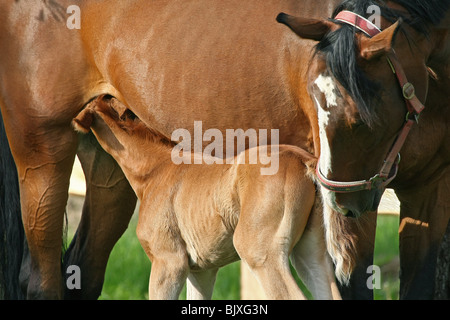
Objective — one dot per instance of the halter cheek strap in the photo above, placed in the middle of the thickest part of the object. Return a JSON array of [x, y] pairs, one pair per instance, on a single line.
[[388, 172]]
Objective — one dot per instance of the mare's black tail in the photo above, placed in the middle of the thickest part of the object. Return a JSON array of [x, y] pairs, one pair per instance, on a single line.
[[11, 227]]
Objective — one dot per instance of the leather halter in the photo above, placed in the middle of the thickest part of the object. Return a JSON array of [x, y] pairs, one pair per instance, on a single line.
[[414, 107]]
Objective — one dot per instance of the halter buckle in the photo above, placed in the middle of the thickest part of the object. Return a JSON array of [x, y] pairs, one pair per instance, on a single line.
[[409, 91], [415, 115], [376, 181]]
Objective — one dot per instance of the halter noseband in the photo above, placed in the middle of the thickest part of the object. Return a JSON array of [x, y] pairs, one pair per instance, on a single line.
[[414, 106]]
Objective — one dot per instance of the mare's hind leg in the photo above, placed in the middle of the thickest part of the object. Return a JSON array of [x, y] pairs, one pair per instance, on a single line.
[[200, 284], [311, 260], [108, 207], [44, 153]]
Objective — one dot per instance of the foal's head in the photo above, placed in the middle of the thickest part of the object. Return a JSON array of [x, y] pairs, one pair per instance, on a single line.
[[116, 127], [111, 122], [136, 148], [360, 104]]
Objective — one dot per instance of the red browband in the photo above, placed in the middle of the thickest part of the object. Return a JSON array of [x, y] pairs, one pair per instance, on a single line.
[[358, 22]]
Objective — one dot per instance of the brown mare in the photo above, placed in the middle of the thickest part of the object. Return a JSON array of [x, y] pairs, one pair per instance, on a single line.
[[196, 218], [354, 79], [225, 63]]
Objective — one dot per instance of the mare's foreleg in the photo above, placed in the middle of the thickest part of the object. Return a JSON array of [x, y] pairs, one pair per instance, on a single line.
[[424, 217], [44, 153], [107, 210]]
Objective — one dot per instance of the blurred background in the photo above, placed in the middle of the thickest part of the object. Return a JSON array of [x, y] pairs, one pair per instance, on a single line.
[[128, 269]]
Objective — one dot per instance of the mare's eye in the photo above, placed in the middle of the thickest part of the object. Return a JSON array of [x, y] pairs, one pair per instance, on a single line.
[[358, 124]]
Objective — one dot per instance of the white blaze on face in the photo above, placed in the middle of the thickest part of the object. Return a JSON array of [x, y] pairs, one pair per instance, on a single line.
[[325, 154], [327, 87]]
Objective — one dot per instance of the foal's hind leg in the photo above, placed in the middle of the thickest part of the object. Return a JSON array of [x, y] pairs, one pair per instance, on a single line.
[[311, 260], [271, 222], [200, 285], [108, 207], [276, 278], [263, 238]]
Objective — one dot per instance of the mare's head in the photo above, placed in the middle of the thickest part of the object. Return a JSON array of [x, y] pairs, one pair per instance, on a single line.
[[360, 103]]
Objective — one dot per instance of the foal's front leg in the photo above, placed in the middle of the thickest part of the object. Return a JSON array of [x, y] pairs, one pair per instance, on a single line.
[[159, 236], [167, 279]]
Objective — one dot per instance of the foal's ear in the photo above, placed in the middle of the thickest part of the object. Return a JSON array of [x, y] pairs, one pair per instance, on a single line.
[[382, 43], [307, 28], [83, 122], [120, 108]]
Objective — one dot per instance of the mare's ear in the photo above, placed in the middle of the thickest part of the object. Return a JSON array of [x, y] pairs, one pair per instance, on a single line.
[[307, 28], [83, 122], [382, 43]]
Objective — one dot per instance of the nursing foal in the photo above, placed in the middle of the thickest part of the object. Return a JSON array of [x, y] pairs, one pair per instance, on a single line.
[[195, 219]]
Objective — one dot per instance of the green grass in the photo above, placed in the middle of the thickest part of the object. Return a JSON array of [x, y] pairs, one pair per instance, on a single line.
[[386, 257], [128, 270]]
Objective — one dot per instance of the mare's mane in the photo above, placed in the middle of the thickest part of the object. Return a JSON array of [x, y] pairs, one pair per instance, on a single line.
[[340, 47]]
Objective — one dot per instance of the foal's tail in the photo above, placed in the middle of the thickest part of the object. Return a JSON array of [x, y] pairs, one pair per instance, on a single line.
[[11, 227]]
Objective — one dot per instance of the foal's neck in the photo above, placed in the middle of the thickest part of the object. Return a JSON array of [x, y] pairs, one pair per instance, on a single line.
[[144, 157]]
